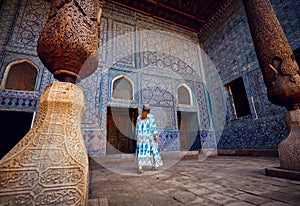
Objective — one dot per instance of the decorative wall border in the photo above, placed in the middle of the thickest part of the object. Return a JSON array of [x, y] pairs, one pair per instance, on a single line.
[[12, 100]]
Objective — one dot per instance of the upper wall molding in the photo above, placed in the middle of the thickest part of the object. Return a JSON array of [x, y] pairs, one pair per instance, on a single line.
[[220, 13]]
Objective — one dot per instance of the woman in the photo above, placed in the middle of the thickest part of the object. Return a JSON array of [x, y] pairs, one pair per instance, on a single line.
[[147, 141]]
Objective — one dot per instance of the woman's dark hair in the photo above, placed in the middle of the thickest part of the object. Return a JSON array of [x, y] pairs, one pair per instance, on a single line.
[[145, 113], [146, 110]]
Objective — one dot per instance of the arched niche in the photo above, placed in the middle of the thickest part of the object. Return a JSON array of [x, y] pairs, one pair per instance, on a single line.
[[184, 94], [122, 88], [20, 75]]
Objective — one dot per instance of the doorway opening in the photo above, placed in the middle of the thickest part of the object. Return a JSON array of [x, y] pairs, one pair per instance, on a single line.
[[14, 126], [188, 128], [120, 130]]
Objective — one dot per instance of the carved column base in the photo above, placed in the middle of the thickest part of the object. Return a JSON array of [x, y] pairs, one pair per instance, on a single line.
[[49, 166], [289, 149]]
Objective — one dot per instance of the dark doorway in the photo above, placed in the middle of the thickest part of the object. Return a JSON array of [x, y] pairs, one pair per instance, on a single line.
[[120, 130], [188, 131], [14, 126]]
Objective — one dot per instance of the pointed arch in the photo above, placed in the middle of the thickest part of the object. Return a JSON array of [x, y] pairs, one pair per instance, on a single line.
[[122, 88], [184, 94], [20, 75]]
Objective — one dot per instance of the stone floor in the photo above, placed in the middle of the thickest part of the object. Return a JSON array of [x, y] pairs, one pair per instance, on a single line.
[[216, 180]]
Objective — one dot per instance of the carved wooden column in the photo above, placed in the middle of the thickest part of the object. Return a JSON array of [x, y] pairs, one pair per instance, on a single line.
[[49, 166], [280, 72], [276, 59]]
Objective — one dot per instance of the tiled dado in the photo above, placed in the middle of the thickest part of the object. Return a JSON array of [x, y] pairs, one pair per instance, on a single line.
[[18, 100], [95, 141], [266, 132], [169, 140]]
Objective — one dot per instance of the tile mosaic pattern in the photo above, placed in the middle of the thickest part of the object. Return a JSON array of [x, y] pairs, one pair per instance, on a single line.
[[201, 103], [288, 13], [123, 52], [157, 91], [13, 100], [103, 40], [8, 13], [90, 119], [169, 140], [95, 140], [29, 24], [208, 140]]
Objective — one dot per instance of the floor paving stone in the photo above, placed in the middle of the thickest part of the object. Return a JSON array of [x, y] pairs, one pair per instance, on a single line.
[[275, 204], [253, 199], [239, 204], [217, 180], [220, 198]]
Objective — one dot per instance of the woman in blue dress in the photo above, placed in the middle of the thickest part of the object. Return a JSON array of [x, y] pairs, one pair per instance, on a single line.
[[148, 153]]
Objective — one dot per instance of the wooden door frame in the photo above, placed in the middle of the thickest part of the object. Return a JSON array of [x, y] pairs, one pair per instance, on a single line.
[[133, 113]]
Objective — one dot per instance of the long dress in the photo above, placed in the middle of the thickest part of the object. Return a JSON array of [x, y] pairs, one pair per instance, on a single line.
[[148, 152]]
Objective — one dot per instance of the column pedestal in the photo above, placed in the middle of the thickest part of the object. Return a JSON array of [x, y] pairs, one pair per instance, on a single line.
[[289, 150], [49, 166]]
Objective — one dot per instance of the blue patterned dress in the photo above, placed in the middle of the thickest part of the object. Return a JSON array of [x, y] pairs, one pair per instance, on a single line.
[[148, 153]]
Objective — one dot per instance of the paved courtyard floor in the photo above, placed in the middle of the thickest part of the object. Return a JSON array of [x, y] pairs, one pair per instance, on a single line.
[[216, 180]]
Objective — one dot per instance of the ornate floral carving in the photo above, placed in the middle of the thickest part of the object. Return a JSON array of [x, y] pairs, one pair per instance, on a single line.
[[18, 179], [70, 39], [67, 196], [61, 176]]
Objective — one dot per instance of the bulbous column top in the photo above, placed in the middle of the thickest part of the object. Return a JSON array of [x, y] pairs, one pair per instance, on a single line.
[[68, 43]]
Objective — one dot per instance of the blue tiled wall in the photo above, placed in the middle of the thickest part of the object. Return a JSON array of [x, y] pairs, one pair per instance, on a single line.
[[156, 60], [21, 23], [155, 56], [230, 47]]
